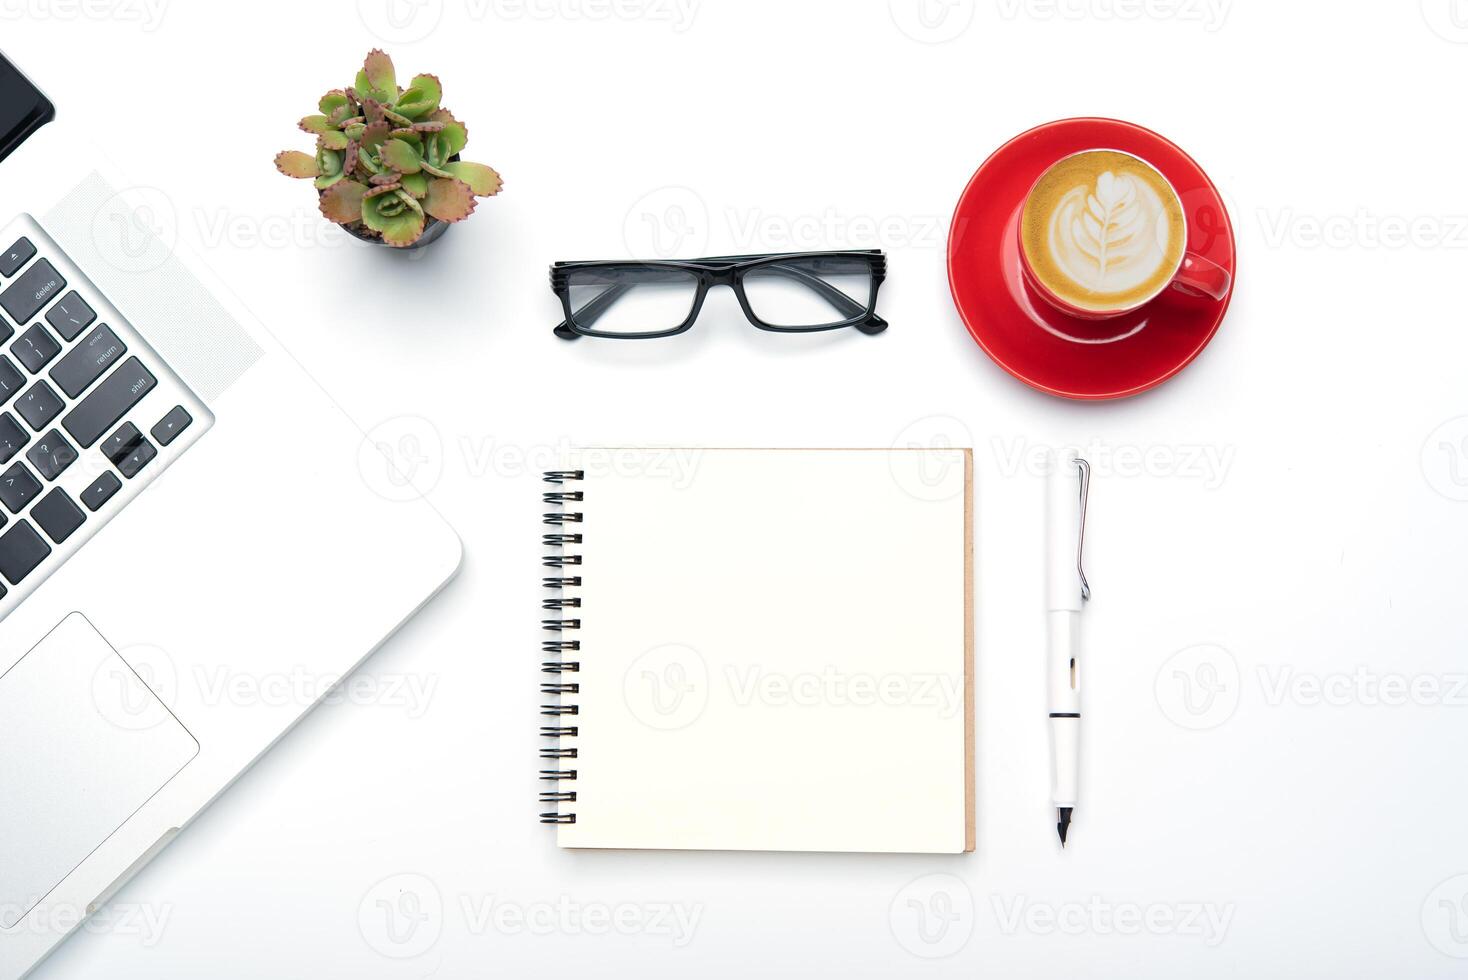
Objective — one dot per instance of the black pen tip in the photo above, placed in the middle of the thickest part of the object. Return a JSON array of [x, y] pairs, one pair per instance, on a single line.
[[1062, 827]]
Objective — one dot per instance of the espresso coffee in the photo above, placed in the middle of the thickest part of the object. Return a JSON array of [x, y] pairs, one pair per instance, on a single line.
[[1103, 231]]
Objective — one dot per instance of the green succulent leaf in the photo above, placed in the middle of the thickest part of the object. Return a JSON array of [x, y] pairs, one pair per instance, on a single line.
[[393, 116], [379, 75], [416, 184], [329, 163], [401, 156], [342, 202], [333, 140], [354, 131], [441, 147], [453, 137], [387, 214], [333, 100], [373, 137], [482, 180], [421, 97], [294, 163], [410, 137], [315, 124], [449, 200]]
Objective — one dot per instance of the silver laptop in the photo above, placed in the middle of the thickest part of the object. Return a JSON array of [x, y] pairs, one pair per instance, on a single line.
[[184, 515]]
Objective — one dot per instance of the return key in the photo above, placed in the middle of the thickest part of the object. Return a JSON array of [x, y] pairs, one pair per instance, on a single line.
[[86, 362]]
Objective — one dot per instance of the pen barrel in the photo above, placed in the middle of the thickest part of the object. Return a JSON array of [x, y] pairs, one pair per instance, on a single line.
[[1065, 741], [1063, 662], [1064, 700]]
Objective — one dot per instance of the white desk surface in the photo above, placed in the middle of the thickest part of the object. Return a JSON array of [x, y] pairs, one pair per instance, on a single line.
[[1282, 526]]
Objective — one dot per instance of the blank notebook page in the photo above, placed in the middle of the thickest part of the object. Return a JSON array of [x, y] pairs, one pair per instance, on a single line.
[[775, 651]]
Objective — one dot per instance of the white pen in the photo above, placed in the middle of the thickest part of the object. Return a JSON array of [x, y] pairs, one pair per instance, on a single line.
[[1067, 486]]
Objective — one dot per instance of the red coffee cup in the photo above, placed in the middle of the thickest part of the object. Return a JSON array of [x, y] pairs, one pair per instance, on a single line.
[[1109, 234]]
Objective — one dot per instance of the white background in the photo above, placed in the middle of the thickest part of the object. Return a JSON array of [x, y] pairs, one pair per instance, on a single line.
[[1289, 513]]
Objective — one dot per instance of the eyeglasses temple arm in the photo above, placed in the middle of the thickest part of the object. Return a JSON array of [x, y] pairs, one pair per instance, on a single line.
[[844, 304]]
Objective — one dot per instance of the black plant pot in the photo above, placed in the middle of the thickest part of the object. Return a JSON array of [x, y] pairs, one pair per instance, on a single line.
[[432, 232]]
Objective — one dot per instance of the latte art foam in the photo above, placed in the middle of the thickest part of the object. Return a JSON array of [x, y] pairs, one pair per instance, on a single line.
[[1103, 230]]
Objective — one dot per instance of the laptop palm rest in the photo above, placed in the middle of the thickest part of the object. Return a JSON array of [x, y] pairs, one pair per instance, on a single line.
[[84, 743]]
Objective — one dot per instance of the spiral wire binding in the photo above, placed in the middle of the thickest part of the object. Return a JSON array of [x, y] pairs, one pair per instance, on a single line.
[[558, 645]]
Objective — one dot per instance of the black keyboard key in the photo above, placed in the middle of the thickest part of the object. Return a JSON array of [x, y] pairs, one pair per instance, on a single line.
[[39, 405], [12, 437], [11, 380], [36, 287], [71, 316], [134, 461], [100, 492], [51, 455], [16, 256], [171, 425], [21, 550], [109, 401], [35, 348], [87, 361], [18, 488], [120, 443], [58, 515]]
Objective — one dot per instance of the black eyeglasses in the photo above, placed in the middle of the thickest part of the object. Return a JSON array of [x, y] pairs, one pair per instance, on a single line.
[[797, 292]]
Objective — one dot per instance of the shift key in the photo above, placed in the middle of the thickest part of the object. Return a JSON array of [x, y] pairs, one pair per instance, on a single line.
[[109, 402], [85, 362]]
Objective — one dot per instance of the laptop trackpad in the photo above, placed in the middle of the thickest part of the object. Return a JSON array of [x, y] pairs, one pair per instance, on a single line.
[[84, 743]]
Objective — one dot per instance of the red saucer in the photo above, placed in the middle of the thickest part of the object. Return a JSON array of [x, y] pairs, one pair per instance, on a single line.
[[1044, 348]]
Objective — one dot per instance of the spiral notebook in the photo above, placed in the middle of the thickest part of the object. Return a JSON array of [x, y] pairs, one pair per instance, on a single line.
[[759, 650]]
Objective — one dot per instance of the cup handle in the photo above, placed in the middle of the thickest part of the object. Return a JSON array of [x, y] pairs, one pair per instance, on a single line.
[[1203, 277]]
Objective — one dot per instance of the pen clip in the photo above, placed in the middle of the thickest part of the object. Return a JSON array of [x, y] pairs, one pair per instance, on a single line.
[[1085, 469]]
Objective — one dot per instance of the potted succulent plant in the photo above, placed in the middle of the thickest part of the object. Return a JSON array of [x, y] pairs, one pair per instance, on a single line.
[[387, 164]]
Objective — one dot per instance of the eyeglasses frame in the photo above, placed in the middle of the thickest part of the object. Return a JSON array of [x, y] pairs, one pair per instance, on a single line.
[[723, 270]]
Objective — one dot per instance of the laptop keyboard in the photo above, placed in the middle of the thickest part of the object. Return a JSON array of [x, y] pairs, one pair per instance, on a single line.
[[89, 413]]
